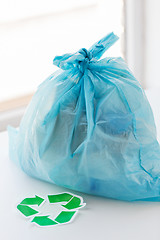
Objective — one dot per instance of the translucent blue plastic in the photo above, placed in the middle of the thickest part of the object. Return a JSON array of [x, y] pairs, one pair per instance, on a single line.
[[89, 127]]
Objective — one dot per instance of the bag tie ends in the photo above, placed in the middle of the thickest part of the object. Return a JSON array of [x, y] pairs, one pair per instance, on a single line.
[[84, 57]]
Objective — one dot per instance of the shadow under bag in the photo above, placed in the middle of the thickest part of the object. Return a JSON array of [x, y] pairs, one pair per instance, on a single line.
[[89, 127]]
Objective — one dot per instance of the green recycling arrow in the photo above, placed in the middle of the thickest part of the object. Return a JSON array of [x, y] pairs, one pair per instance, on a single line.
[[72, 202], [65, 217], [32, 201], [62, 197], [44, 221], [25, 210]]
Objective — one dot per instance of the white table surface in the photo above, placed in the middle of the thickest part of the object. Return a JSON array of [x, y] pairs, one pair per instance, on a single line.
[[102, 218]]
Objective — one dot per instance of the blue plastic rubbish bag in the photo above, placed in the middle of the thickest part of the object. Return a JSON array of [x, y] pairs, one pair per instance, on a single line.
[[89, 127]]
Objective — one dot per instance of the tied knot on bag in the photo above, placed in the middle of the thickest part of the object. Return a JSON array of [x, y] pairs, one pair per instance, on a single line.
[[84, 63], [83, 59], [80, 60]]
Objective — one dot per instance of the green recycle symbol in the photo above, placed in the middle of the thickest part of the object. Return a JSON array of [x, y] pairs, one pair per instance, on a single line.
[[68, 201]]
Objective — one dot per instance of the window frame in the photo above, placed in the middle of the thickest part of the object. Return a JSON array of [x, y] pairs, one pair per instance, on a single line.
[[135, 39]]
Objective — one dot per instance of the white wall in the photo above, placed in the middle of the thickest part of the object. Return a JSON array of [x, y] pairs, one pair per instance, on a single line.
[[152, 45]]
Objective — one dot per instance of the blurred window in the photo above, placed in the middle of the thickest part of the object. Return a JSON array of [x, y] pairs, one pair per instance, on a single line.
[[32, 32]]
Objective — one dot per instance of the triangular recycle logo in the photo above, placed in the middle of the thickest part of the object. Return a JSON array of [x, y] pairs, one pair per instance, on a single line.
[[71, 203]]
